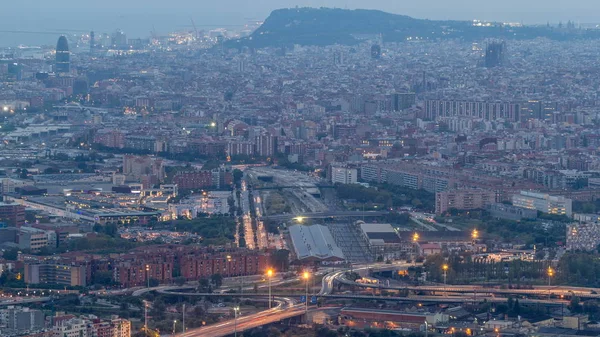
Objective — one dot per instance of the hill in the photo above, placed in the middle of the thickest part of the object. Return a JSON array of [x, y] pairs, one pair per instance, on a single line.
[[327, 26]]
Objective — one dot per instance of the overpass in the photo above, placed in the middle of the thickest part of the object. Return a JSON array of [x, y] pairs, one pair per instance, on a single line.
[[25, 301], [258, 188], [324, 215], [564, 291]]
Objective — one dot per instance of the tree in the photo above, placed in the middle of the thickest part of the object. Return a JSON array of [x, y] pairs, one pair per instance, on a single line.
[[103, 278], [516, 308], [11, 254], [204, 286], [216, 280], [237, 176], [154, 282], [111, 229], [281, 259], [180, 280]]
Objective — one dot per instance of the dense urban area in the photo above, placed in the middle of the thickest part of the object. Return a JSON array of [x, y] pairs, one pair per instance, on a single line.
[[186, 185]]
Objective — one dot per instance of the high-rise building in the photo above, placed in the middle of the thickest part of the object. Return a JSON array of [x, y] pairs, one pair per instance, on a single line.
[[12, 214], [92, 42], [266, 145], [463, 199], [495, 54], [404, 100], [118, 39], [338, 58], [56, 273], [375, 51], [343, 175], [19, 320], [63, 56]]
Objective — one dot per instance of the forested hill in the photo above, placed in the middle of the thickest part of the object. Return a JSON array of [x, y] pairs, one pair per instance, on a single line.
[[327, 26]]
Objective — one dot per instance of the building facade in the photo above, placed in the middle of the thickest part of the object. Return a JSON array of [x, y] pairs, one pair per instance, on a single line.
[[463, 199], [543, 202]]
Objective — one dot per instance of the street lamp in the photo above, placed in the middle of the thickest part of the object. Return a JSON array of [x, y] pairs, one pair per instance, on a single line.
[[269, 275], [174, 322], [445, 268], [145, 317], [550, 274], [148, 275], [236, 310], [415, 240], [306, 276], [474, 235]]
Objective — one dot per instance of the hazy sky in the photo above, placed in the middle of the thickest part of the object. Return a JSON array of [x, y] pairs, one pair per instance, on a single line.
[[526, 10], [137, 17]]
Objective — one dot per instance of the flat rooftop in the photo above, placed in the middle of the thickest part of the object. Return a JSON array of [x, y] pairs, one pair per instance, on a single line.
[[314, 242]]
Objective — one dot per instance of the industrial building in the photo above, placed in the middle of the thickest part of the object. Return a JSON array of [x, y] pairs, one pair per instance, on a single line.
[[383, 240], [314, 243]]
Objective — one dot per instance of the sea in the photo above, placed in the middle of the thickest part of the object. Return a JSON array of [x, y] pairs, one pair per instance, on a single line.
[[44, 31]]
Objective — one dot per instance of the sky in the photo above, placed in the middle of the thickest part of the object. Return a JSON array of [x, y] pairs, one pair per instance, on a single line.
[[138, 17]]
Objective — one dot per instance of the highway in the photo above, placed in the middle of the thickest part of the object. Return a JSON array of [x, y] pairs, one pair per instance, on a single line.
[[246, 218], [287, 308], [327, 214], [246, 322], [565, 291], [23, 300]]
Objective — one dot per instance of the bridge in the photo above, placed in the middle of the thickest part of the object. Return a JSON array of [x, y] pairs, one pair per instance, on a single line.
[[325, 215], [290, 298], [258, 188]]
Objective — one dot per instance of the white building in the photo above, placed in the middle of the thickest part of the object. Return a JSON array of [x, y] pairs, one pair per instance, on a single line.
[[343, 175], [543, 202], [72, 328]]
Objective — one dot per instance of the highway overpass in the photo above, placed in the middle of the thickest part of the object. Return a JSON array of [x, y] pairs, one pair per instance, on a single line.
[[324, 215]]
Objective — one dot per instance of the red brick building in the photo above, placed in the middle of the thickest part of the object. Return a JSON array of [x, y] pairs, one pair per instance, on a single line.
[[194, 266], [12, 214], [193, 263], [192, 180]]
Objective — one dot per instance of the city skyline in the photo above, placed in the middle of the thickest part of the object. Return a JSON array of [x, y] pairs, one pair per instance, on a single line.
[[67, 16]]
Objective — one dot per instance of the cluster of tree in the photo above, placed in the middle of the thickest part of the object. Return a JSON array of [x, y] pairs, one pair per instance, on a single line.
[[528, 232], [586, 206], [387, 195], [579, 269], [464, 269], [109, 229], [11, 279], [280, 259], [283, 161], [237, 177], [212, 229], [187, 156]]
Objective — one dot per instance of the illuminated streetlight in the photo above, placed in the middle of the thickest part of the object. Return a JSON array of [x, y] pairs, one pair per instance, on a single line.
[[306, 276], [475, 234], [445, 268], [269, 275], [236, 310], [550, 274], [174, 322], [148, 275], [415, 252]]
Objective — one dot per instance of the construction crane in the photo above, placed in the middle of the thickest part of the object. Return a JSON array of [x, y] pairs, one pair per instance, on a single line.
[[195, 29]]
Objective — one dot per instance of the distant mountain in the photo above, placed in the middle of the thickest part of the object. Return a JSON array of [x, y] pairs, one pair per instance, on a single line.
[[327, 26]]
